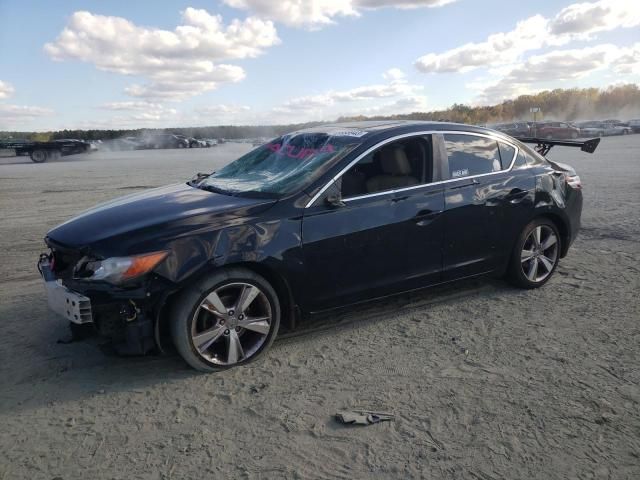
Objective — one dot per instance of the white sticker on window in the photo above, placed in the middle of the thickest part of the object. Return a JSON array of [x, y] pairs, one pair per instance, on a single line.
[[460, 173], [349, 133]]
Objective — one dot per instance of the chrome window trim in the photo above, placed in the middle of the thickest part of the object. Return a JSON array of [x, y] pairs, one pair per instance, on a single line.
[[336, 177]]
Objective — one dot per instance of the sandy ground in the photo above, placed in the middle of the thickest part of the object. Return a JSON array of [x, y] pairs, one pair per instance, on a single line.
[[486, 381]]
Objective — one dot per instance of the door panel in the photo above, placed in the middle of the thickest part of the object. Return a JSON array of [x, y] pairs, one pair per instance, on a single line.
[[351, 249], [467, 243], [421, 211], [483, 212]]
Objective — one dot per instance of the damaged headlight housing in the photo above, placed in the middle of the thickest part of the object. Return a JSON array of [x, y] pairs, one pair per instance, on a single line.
[[118, 270]]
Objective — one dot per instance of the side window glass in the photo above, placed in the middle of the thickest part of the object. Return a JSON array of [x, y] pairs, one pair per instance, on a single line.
[[532, 158], [506, 154], [471, 155], [396, 165], [521, 161]]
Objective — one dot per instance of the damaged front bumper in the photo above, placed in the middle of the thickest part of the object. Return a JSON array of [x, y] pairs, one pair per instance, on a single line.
[[127, 316]]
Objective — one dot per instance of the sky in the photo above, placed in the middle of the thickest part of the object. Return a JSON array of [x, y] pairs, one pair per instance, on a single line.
[[136, 64]]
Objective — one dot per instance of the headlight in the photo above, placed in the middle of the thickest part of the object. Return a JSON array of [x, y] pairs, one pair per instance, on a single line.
[[120, 269]]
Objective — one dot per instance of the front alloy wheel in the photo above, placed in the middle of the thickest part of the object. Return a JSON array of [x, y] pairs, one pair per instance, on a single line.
[[226, 319], [231, 323], [536, 255]]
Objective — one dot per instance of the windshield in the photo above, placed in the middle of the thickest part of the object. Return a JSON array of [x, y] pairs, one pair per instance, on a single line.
[[281, 166]]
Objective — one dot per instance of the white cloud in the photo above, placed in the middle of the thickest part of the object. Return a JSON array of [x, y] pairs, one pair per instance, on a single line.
[[318, 13], [417, 103], [499, 48], [588, 18], [394, 75], [627, 61], [579, 20], [395, 97], [6, 90], [177, 64], [20, 116], [557, 66], [17, 116], [222, 109], [134, 106], [368, 92]]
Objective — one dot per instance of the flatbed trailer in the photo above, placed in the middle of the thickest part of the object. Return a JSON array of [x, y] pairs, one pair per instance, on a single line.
[[40, 152]]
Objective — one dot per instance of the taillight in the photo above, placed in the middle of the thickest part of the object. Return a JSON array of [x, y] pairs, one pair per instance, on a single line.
[[573, 181]]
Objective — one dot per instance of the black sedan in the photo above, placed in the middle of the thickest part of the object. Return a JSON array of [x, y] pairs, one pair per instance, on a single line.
[[310, 221]]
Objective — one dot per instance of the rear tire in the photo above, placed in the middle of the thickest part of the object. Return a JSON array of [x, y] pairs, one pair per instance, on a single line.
[[228, 318], [535, 255], [39, 156]]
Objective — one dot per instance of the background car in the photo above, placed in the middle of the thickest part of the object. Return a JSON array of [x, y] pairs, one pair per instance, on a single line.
[[604, 128], [634, 125], [163, 140], [557, 130], [516, 129]]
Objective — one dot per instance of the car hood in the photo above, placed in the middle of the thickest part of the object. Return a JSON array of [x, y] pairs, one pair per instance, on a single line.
[[176, 208]]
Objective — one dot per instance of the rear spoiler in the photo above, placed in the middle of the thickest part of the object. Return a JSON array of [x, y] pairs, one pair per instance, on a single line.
[[543, 145]]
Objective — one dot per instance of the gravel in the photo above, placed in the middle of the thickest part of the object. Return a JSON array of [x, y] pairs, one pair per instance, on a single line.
[[485, 381]]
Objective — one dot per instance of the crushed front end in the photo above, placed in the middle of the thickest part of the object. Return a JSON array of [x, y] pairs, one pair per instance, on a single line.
[[126, 313]]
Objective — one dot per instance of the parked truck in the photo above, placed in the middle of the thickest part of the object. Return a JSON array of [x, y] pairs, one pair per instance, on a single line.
[[40, 152]]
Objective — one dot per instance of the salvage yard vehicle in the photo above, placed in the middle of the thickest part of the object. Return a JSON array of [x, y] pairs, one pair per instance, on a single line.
[[551, 130], [40, 152], [317, 219], [163, 140], [514, 129], [604, 128]]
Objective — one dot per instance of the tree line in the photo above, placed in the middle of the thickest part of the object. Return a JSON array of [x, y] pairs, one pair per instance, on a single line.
[[620, 101]]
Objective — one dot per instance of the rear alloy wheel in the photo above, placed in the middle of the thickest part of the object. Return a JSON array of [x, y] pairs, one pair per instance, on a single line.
[[536, 254], [228, 319]]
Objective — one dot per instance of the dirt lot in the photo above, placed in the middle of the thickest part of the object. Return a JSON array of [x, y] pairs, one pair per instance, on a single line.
[[486, 381]]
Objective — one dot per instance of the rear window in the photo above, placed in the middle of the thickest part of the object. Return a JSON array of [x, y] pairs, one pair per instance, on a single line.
[[471, 155]]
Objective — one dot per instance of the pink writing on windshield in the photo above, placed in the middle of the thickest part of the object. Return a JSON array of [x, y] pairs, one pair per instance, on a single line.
[[298, 152]]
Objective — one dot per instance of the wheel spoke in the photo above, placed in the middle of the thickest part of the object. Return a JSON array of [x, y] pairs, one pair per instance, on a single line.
[[533, 270], [536, 236], [248, 295], [549, 242], [214, 305], [258, 324], [235, 352], [547, 262], [526, 255], [203, 340]]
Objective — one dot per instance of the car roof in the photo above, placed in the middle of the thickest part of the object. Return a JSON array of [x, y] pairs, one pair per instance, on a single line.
[[365, 129]]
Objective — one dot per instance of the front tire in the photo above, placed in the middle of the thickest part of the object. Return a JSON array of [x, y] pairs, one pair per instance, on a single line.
[[535, 255], [226, 319]]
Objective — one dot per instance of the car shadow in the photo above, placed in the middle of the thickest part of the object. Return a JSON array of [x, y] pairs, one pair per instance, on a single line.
[[71, 372]]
